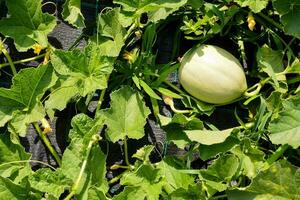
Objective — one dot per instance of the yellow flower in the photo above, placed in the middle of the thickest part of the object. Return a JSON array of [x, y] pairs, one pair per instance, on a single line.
[[251, 22], [37, 48], [129, 56]]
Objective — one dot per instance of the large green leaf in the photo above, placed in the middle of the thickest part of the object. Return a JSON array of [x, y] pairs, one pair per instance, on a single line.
[[255, 5], [72, 13], [21, 103], [281, 181], [80, 73], [27, 24], [289, 11], [286, 128], [156, 9], [84, 128], [127, 115]]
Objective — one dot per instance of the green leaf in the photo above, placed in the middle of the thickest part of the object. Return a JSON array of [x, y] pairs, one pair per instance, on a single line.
[[10, 155], [176, 126], [209, 151], [222, 169], [294, 67], [175, 178], [111, 33], [131, 193], [72, 13], [270, 61], [27, 24], [156, 10], [286, 128], [95, 193], [149, 90], [48, 181], [126, 116], [254, 5], [251, 158], [281, 181], [289, 11], [84, 128], [80, 73], [192, 193], [21, 102], [143, 153], [196, 4], [208, 137], [169, 93], [12, 191], [147, 178]]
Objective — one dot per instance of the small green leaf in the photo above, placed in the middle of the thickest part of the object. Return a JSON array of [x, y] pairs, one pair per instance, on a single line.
[[169, 93], [27, 24], [72, 13], [127, 115], [149, 90]]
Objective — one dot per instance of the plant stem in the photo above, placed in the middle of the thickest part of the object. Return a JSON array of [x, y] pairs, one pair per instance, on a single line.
[[28, 161], [271, 21], [174, 87], [12, 66], [126, 151], [47, 143], [101, 99], [277, 154], [75, 186], [23, 60], [115, 179]]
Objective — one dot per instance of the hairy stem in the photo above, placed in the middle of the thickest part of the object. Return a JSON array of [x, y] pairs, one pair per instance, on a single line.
[[47, 143], [75, 186], [23, 60], [277, 154], [126, 151], [12, 66]]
